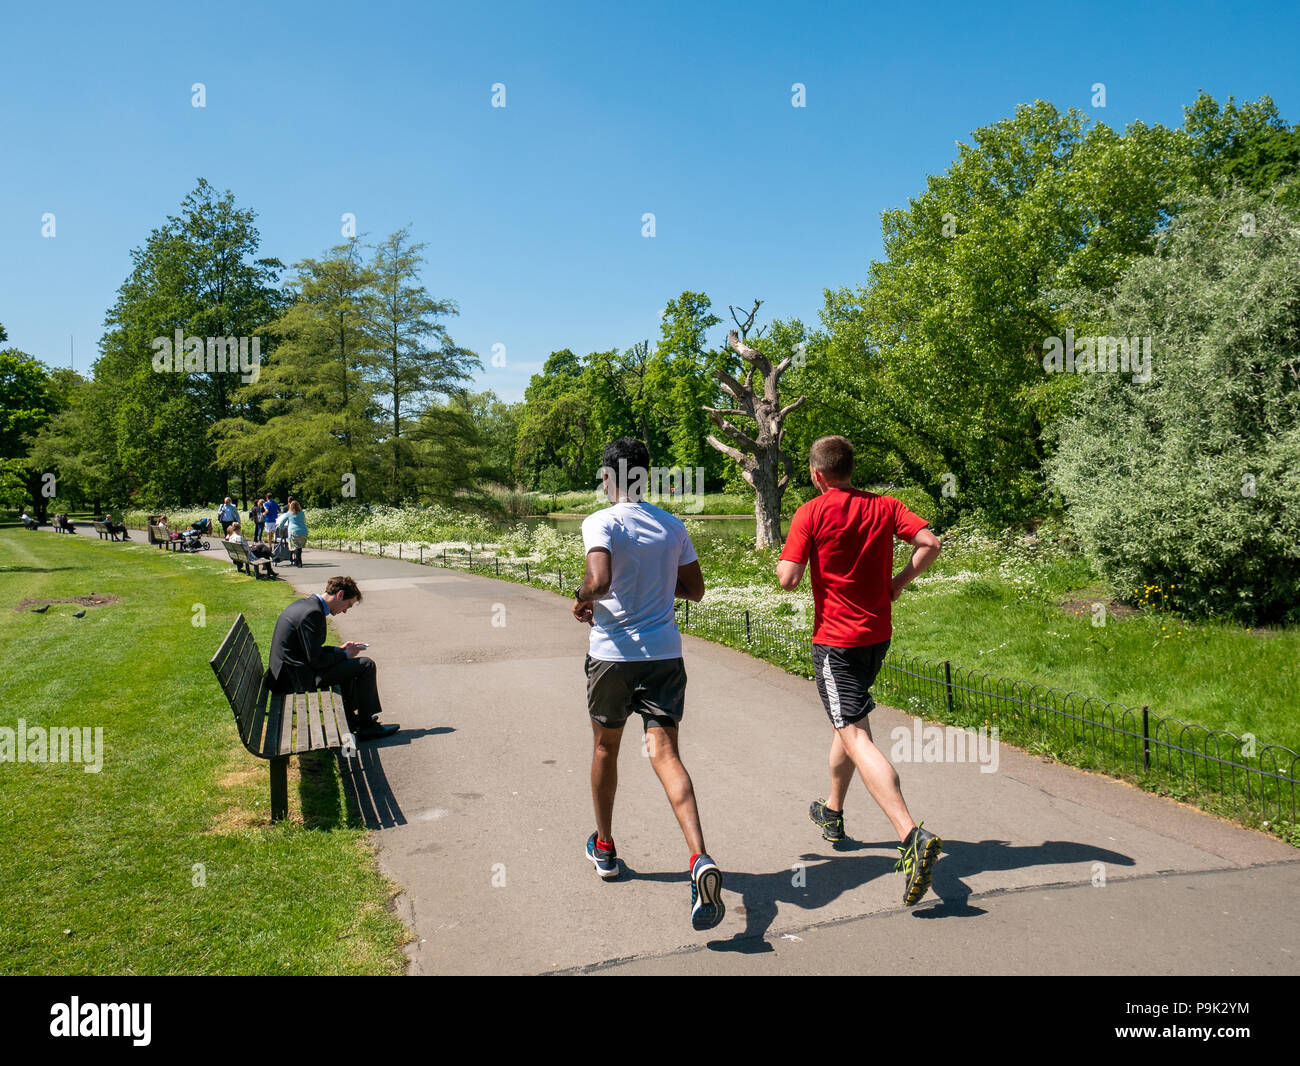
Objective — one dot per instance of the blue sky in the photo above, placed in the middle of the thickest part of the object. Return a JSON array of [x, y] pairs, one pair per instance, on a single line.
[[532, 213]]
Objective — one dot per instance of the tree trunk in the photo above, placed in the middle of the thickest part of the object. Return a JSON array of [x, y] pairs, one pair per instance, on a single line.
[[762, 461], [768, 491]]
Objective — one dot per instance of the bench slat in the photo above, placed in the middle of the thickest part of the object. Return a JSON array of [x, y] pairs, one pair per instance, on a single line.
[[286, 723], [270, 747], [247, 680], [332, 737], [317, 701]]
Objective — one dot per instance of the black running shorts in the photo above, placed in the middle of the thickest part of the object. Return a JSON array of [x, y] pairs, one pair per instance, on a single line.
[[844, 679], [653, 688]]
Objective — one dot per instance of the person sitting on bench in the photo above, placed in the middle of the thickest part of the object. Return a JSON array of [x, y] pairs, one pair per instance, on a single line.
[[255, 551], [115, 528]]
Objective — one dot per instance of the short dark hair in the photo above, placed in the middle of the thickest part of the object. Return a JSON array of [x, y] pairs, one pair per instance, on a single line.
[[833, 456], [344, 585], [623, 456]]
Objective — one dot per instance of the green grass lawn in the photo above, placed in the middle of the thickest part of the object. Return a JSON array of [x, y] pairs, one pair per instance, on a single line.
[[163, 862]]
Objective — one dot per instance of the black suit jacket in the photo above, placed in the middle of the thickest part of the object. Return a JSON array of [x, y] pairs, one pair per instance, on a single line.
[[298, 650]]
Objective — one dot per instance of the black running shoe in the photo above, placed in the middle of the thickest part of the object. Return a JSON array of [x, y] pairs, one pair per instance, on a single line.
[[831, 824], [606, 862], [917, 856], [707, 907]]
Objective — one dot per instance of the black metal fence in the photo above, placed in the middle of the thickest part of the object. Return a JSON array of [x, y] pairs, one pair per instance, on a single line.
[[1185, 759]]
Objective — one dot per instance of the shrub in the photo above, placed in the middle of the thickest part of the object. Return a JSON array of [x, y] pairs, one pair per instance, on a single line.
[[1191, 481]]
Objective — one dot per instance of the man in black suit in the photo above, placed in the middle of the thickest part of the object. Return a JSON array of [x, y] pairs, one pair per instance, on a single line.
[[301, 661]]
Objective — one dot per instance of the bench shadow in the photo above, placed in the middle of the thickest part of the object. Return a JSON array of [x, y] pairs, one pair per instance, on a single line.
[[824, 878], [34, 569]]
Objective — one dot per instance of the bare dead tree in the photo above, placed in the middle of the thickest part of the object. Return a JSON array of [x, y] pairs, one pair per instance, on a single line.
[[763, 462]]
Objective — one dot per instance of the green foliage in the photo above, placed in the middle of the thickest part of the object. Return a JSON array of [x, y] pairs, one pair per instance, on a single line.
[[1192, 481], [197, 273], [938, 356], [918, 501]]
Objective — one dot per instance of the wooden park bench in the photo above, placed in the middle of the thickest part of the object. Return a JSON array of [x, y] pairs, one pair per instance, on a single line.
[[102, 528], [272, 725], [240, 557], [30, 523], [163, 541]]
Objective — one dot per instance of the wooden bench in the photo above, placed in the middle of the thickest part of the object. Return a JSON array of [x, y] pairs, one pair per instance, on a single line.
[[62, 525], [102, 528], [272, 725], [164, 542], [240, 557], [30, 523]]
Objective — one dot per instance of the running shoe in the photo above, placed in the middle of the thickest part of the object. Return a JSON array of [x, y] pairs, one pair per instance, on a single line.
[[916, 858], [831, 824], [606, 861], [707, 907]]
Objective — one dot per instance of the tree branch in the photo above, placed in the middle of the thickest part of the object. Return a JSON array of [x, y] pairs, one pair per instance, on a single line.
[[727, 449]]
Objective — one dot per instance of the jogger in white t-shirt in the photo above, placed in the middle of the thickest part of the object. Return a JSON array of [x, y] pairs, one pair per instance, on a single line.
[[639, 559]]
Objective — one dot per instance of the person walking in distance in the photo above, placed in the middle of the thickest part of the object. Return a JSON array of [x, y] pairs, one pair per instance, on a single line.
[[639, 558], [847, 537]]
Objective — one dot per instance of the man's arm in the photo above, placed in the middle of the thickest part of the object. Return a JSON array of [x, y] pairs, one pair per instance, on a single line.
[[925, 550], [690, 582], [788, 574], [595, 583]]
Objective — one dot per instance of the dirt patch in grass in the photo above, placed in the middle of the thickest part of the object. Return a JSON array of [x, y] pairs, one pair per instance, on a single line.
[[1080, 604], [250, 805], [95, 599]]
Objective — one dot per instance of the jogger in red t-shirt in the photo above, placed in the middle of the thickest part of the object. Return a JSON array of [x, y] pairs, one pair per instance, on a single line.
[[847, 537]]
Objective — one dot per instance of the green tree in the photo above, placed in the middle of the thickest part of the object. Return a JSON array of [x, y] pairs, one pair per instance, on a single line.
[[946, 338], [315, 401], [1190, 482], [418, 361], [558, 426], [198, 274], [29, 398]]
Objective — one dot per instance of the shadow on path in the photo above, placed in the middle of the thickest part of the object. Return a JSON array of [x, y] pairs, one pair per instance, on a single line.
[[370, 799], [817, 880]]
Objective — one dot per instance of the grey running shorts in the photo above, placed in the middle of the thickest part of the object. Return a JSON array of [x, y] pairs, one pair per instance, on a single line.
[[653, 688]]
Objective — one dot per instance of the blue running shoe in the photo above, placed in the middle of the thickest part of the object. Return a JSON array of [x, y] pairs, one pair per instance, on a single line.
[[707, 908], [606, 862]]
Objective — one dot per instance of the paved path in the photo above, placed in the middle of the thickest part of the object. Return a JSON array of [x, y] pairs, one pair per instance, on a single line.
[[481, 808]]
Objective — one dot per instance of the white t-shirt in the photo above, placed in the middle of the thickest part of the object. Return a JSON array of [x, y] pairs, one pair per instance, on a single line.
[[634, 620]]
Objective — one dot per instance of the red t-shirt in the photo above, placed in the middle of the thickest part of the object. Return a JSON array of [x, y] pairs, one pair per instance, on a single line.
[[847, 538]]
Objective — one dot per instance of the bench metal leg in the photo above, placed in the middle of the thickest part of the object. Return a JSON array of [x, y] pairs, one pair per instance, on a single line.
[[280, 788]]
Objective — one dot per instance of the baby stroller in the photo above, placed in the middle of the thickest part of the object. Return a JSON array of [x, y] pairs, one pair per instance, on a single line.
[[281, 553], [191, 540]]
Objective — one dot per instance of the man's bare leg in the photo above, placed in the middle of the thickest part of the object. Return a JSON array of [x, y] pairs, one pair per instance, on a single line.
[[661, 743], [841, 774], [604, 777], [878, 774]]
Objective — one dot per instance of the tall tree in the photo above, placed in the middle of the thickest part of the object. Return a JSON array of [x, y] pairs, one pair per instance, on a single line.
[[198, 274], [763, 462], [418, 361], [317, 397], [558, 426], [28, 400]]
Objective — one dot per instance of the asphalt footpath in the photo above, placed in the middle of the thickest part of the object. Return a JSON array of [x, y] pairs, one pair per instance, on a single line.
[[481, 807]]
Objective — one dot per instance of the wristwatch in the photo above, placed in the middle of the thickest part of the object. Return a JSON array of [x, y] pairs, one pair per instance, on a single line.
[[576, 592]]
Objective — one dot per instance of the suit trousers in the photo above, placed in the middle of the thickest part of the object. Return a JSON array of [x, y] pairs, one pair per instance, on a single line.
[[359, 680]]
